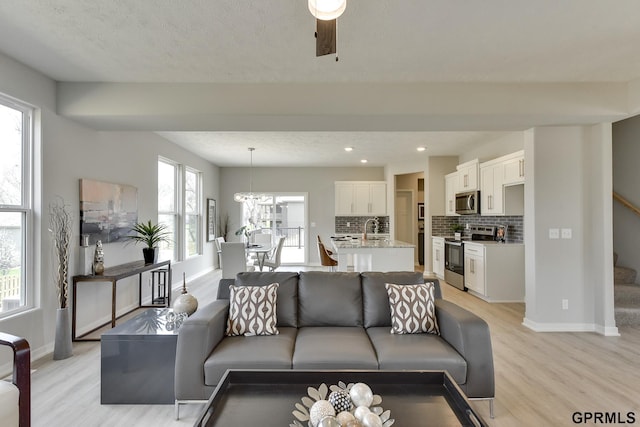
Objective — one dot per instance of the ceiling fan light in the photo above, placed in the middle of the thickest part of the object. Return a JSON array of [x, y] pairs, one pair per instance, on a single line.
[[327, 10]]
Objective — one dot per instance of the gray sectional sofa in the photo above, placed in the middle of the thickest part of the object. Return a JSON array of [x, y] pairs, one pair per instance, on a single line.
[[332, 320]]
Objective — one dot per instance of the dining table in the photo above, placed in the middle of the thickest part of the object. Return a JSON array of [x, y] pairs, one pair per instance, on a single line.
[[261, 252]]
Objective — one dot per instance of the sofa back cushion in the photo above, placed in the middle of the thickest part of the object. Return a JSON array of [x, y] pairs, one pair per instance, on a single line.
[[329, 299], [376, 299], [287, 300]]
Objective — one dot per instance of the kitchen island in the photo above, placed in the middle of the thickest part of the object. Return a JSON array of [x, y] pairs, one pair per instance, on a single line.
[[374, 254]]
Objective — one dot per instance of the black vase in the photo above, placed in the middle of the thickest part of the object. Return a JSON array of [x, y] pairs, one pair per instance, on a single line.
[[150, 255]]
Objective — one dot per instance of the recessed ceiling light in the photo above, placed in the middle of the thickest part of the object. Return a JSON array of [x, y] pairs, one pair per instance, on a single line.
[[348, 148], [421, 148], [363, 161]]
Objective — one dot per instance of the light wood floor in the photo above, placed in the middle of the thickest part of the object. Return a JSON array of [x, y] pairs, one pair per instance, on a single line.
[[541, 378]]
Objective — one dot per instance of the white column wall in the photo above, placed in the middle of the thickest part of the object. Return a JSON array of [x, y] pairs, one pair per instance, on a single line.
[[567, 186]]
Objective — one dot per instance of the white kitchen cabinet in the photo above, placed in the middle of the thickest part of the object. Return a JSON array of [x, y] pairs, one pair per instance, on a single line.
[[360, 198], [474, 268], [491, 189], [451, 188], [468, 176], [514, 168], [437, 252], [494, 271]]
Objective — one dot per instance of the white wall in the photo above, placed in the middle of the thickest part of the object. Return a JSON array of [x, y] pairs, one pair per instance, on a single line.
[[70, 152], [489, 150], [317, 182], [567, 187], [626, 176]]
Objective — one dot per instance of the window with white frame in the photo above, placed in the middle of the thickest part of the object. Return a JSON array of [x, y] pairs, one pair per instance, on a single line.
[[180, 209], [168, 206], [16, 144], [192, 213]]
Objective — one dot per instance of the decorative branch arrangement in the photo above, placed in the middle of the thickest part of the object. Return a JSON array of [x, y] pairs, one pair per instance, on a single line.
[[60, 223]]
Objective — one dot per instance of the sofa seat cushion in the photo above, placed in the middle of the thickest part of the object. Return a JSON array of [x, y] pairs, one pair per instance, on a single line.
[[323, 347], [256, 352], [417, 352]]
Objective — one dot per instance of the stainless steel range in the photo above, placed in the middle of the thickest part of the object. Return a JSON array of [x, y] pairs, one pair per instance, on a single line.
[[454, 253]]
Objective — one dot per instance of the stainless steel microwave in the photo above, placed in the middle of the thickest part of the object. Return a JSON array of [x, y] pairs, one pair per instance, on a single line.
[[468, 203]]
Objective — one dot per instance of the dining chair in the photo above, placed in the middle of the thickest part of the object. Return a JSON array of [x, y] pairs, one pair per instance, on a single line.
[[233, 259], [274, 261], [262, 238], [326, 256], [219, 241]]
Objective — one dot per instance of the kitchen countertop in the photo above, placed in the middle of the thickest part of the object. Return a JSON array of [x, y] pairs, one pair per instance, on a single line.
[[482, 242], [371, 243]]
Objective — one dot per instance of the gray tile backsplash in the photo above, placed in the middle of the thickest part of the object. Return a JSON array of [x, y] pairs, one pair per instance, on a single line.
[[441, 225], [356, 224]]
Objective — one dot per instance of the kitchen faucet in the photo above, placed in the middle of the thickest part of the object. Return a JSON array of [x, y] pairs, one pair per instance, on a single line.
[[376, 224]]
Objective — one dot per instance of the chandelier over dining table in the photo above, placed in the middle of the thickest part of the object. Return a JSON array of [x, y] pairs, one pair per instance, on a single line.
[[250, 196]]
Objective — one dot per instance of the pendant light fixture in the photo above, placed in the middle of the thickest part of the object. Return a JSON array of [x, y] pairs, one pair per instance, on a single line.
[[250, 196], [326, 10], [326, 13]]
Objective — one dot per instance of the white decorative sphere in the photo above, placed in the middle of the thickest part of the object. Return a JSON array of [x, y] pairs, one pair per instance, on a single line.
[[185, 303], [371, 420], [319, 410], [361, 395], [344, 418], [360, 412], [329, 422]]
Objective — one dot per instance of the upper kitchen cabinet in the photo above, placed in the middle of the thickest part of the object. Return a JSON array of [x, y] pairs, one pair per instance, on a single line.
[[501, 189], [491, 189], [451, 188], [514, 168], [468, 176], [361, 198]]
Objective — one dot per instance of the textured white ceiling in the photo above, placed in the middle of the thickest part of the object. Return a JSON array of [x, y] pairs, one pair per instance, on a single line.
[[224, 41], [325, 148]]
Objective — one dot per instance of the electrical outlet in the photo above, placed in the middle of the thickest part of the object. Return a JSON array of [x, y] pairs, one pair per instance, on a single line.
[[348, 224], [554, 233], [566, 233], [565, 304]]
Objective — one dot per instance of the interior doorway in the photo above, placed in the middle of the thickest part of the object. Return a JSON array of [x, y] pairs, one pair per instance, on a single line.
[[404, 219]]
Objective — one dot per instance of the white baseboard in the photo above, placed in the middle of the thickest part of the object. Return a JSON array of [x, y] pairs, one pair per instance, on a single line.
[[569, 327]]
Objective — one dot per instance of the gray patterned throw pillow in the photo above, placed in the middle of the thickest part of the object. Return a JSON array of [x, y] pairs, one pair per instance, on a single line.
[[413, 309], [252, 310]]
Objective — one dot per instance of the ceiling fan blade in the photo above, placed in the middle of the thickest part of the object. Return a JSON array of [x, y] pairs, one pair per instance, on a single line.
[[325, 37]]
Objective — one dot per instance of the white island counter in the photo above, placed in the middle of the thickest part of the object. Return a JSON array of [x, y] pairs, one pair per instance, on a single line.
[[374, 255]]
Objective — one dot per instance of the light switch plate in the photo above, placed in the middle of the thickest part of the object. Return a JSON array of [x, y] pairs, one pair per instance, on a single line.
[[566, 233], [554, 233]]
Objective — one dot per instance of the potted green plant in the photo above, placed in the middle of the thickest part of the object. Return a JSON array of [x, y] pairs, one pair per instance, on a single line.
[[457, 231], [150, 235]]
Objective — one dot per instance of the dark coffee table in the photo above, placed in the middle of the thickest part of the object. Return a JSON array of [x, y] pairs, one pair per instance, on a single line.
[[267, 398]]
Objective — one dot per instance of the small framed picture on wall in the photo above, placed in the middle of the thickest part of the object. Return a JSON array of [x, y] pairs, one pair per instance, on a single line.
[[211, 220], [420, 210]]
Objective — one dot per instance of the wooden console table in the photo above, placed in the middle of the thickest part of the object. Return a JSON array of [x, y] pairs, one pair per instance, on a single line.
[[113, 274]]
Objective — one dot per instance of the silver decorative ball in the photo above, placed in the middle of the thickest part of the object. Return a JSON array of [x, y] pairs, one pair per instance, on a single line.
[[345, 417], [320, 410], [329, 422], [360, 412], [371, 420], [361, 395]]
